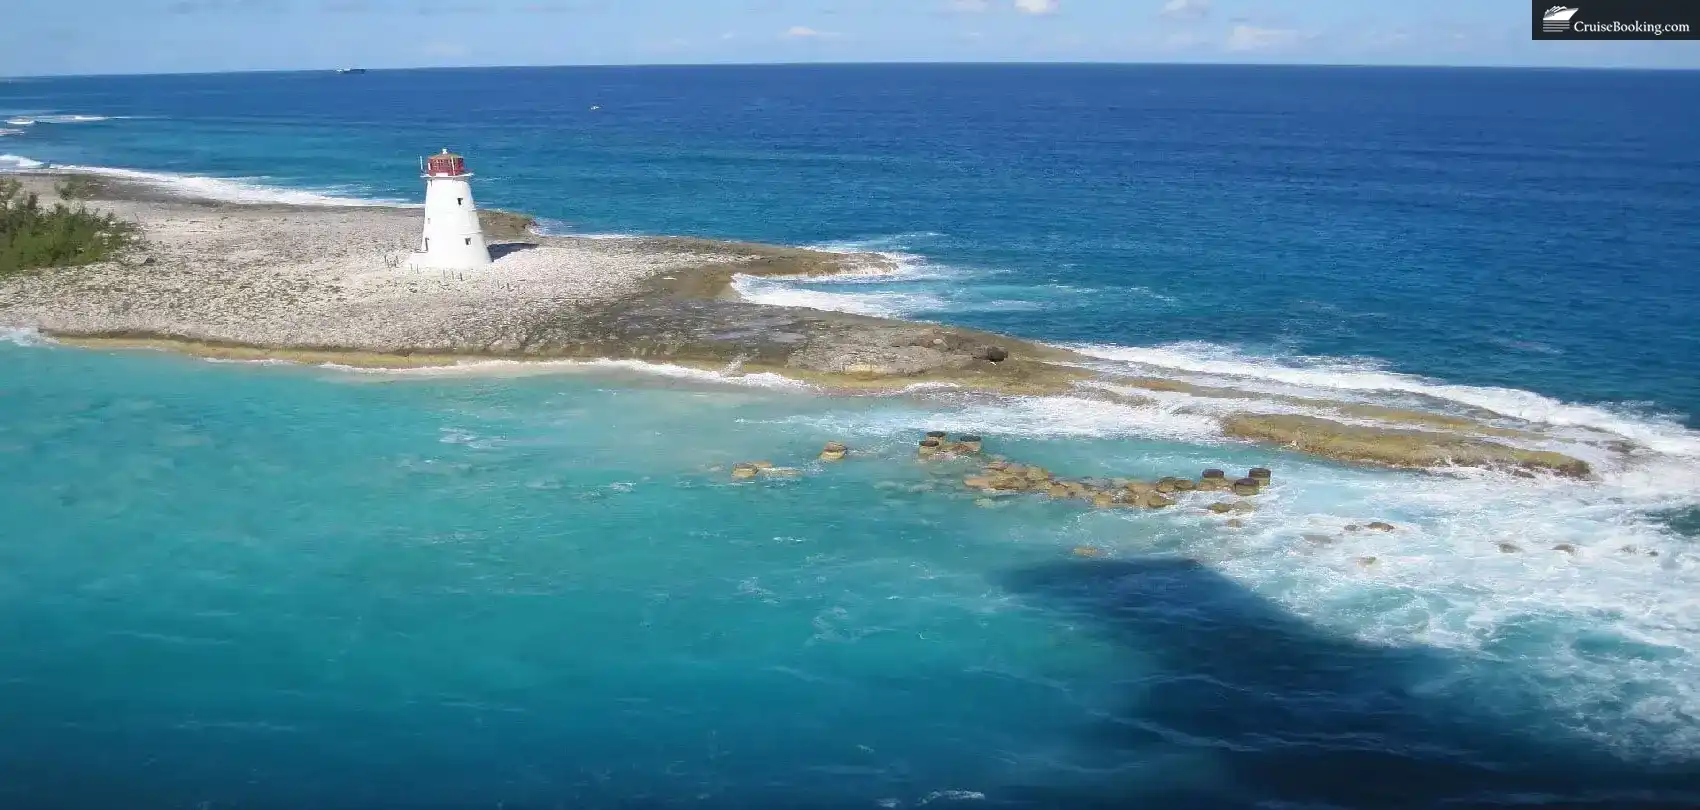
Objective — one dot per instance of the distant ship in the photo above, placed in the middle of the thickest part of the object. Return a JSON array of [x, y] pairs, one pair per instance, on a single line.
[[350, 71]]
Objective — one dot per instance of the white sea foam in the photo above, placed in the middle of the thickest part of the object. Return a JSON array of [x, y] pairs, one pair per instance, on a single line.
[[525, 368], [1442, 579], [68, 119], [1339, 376], [783, 293], [18, 163], [894, 286], [21, 122], [4, 131], [233, 190], [1050, 417], [22, 337]]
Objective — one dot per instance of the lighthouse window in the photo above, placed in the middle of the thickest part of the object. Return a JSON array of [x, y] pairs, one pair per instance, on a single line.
[[469, 240], [460, 201]]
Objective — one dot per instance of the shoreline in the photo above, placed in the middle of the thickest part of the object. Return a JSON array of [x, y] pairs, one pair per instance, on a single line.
[[314, 285]]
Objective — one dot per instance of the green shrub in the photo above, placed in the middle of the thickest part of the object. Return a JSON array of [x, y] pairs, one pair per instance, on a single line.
[[77, 187], [33, 236]]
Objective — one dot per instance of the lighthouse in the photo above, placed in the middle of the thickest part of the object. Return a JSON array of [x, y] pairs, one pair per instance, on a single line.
[[452, 239]]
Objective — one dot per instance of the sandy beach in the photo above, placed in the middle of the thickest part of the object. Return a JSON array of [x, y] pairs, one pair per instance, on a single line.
[[329, 284]]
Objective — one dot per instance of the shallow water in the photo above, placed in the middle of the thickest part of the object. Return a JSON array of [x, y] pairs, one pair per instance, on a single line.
[[257, 585]]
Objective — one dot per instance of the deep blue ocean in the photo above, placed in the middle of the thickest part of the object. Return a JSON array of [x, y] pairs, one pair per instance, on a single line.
[[263, 586]]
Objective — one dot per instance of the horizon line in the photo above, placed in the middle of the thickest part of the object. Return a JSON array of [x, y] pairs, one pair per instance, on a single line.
[[874, 63]]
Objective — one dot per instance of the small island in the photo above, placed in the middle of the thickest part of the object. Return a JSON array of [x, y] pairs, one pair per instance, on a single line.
[[316, 284]]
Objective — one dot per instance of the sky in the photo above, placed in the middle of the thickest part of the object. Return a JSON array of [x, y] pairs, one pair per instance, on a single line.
[[48, 37]]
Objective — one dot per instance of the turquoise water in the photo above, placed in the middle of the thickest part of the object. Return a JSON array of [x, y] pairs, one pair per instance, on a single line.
[[256, 585]]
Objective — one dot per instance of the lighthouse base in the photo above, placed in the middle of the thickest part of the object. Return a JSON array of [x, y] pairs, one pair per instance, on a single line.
[[436, 261]]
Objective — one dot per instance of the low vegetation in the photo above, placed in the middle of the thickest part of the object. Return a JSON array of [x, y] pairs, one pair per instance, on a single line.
[[35, 236], [76, 187]]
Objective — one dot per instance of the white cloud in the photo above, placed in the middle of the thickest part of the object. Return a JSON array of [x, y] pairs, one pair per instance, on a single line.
[[1252, 38], [1036, 6], [801, 32], [1185, 9]]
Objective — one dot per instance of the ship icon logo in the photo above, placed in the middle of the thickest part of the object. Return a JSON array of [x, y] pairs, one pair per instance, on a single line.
[[1557, 19]]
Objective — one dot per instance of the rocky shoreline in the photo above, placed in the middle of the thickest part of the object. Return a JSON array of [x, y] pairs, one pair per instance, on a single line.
[[326, 284]]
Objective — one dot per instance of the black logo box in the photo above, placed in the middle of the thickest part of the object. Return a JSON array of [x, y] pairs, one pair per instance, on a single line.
[[1620, 19]]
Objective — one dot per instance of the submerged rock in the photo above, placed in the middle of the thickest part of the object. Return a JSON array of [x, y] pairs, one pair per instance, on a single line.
[[968, 443], [1509, 548], [1234, 523], [1087, 551], [1260, 474], [1319, 539], [1158, 501], [1246, 487], [1367, 562], [1566, 548], [1379, 526], [1221, 508]]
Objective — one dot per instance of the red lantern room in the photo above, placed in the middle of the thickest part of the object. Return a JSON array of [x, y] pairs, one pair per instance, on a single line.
[[446, 164]]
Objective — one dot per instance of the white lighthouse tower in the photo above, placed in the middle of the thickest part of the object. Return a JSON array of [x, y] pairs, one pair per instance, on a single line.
[[452, 240]]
